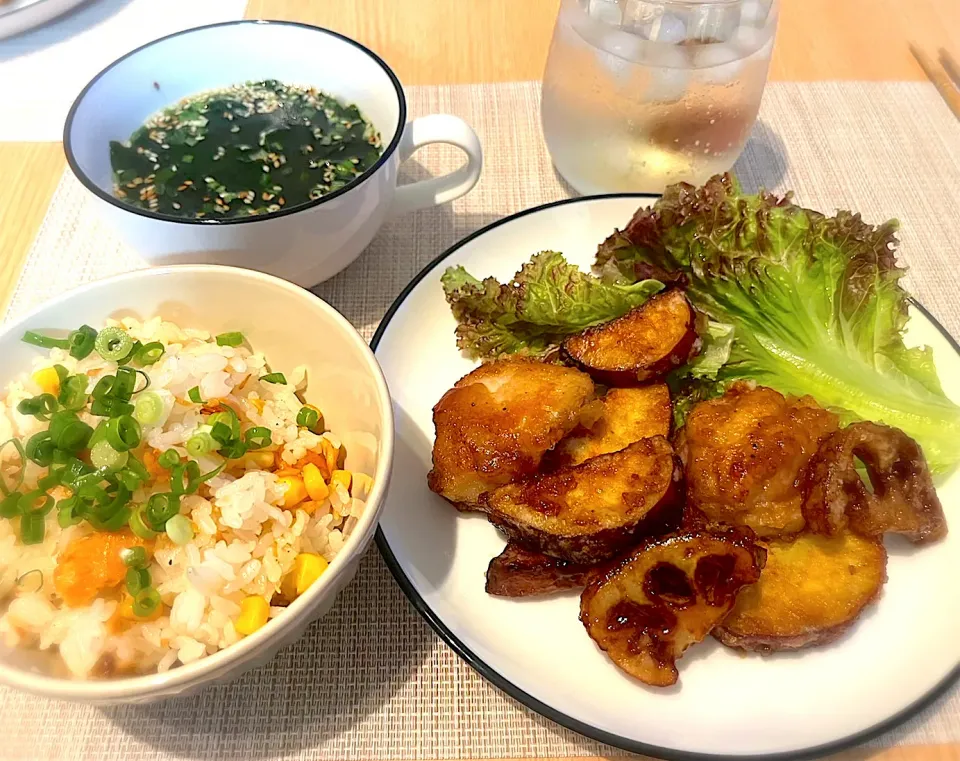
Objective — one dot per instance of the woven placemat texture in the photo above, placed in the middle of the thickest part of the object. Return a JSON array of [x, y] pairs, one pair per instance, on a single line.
[[371, 680]]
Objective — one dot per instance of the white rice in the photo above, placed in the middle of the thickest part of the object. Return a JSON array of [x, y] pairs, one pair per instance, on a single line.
[[245, 542]]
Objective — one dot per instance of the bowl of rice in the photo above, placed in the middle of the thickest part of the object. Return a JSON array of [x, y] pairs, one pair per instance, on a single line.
[[192, 464]]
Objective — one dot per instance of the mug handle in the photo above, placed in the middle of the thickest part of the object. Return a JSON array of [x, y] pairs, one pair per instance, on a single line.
[[437, 128]]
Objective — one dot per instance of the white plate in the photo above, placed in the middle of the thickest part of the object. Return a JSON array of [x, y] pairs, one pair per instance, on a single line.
[[18, 16], [904, 651]]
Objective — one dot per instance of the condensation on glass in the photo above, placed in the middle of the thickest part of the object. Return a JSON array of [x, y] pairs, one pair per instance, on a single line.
[[638, 94]]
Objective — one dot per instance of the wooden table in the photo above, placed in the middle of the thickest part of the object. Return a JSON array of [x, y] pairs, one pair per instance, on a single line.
[[443, 42]]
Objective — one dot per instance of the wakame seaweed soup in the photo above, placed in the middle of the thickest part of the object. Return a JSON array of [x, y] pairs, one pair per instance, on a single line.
[[248, 149]]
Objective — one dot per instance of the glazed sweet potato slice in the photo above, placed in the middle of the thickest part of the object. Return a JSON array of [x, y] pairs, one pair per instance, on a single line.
[[666, 595], [623, 416], [494, 426], [518, 572], [590, 512], [901, 498], [810, 592], [645, 343]]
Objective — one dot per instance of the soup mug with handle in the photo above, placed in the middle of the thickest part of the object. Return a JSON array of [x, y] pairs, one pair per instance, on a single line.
[[305, 243]]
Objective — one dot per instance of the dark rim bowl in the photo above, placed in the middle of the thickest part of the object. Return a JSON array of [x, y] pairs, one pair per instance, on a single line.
[[103, 195]]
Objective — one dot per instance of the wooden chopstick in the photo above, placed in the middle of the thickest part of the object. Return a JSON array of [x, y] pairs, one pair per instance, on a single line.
[[940, 79], [949, 65]]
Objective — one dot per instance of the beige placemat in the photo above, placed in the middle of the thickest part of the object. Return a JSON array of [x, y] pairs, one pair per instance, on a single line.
[[371, 680]]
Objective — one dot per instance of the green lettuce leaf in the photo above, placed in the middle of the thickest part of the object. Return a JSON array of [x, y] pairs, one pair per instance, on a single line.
[[815, 302], [547, 300]]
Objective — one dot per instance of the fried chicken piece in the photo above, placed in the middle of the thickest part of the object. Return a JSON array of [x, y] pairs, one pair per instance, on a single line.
[[494, 426], [745, 454], [519, 572], [901, 500], [666, 595], [623, 416], [810, 592]]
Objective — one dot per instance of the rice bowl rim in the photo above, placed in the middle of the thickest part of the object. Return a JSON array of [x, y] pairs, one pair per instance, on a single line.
[[212, 668]]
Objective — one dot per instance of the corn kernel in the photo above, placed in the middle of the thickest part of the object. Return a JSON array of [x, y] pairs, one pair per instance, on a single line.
[[362, 484], [313, 480], [331, 454], [48, 380], [259, 459], [296, 492], [342, 477], [254, 612], [307, 568]]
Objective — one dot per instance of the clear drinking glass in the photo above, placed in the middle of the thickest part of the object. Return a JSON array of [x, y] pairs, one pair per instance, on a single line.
[[638, 94]]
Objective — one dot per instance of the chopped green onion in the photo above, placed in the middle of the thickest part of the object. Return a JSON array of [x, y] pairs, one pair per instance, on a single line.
[[129, 480], [49, 481], [40, 449], [113, 343], [125, 383], [148, 408], [146, 382], [67, 512], [230, 339], [134, 557], [36, 502], [28, 574], [10, 505], [201, 443], [234, 450], [7, 488], [32, 528], [180, 530], [185, 478], [169, 459], [110, 408], [134, 350], [45, 342], [274, 378], [40, 407], [194, 394], [123, 433], [115, 522], [73, 392], [257, 437], [161, 508], [308, 417], [69, 433], [210, 474], [104, 387], [149, 353], [103, 455], [82, 341], [138, 527], [137, 579], [146, 602], [224, 425], [138, 469]]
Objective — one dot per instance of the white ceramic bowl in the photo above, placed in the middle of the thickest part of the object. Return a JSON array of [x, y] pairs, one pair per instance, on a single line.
[[292, 327], [304, 244]]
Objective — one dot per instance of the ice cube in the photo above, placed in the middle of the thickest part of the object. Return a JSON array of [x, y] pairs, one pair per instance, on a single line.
[[717, 64], [666, 28], [753, 12], [669, 75], [618, 54], [606, 11], [748, 40]]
